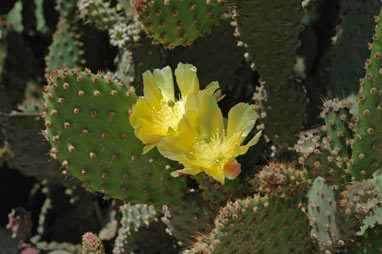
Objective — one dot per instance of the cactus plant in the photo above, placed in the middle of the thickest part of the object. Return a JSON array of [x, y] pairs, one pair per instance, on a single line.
[[129, 135]]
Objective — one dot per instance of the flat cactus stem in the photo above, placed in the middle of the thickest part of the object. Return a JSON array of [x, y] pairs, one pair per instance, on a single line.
[[188, 219], [269, 30], [322, 209], [67, 8], [375, 219], [206, 54], [350, 46], [91, 244], [66, 49], [369, 243], [339, 127], [315, 155], [27, 152], [282, 181], [367, 147], [174, 23], [261, 225], [282, 111], [216, 194], [99, 13], [87, 125], [125, 69]]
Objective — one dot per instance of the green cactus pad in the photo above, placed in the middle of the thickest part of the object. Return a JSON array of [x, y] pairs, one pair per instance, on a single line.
[[369, 243], [367, 147], [188, 219], [27, 151], [206, 54], [338, 124], [372, 221], [99, 13], [261, 225], [282, 111], [269, 30], [66, 49], [281, 181], [91, 244], [87, 120], [317, 158], [353, 36], [174, 23], [322, 210], [216, 194]]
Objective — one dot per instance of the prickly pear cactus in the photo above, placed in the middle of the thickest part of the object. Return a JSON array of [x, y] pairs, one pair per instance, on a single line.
[[96, 143], [174, 23], [367, 145], [269, 30]]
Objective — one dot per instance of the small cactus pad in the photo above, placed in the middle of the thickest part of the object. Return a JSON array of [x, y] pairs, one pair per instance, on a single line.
[[261, 225], [87, 125], [353, 35], [338, 127], [188, 219], [317, 158], [216, 194], [367, 147], [98, 12], [65, 49], [281, 181], [174, 23], [322, 209], [282, 111], [91, 244], [269, 30], [134, 217]]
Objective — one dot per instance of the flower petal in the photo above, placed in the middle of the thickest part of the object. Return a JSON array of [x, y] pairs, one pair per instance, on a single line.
[[151, 91], [241, 119], [210, 118], [187, 79], [216, 173], [252, 142], [232, 170], [188, 171], [165, 82]]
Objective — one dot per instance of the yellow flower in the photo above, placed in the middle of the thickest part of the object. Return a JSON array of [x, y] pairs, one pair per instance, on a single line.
[[158, 113], [203, 143]]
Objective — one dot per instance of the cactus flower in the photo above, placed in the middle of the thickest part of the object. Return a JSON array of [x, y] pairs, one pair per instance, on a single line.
[[203, 143], [158, 113]]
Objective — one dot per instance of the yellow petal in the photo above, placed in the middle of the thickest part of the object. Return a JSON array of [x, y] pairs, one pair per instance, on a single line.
[[178, 148], [164, 81], [141, 109], [187, 79], [188, 171], [232, 170], [151, 91], [216, 173], [252, 142], [241, 119], [210, 119]]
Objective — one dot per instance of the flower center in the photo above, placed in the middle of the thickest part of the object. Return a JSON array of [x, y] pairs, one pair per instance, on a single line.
[[169, 115], [211, 150]]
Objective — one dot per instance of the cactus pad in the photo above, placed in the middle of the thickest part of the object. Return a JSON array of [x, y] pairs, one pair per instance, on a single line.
[[87, 120], [174, 23]]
